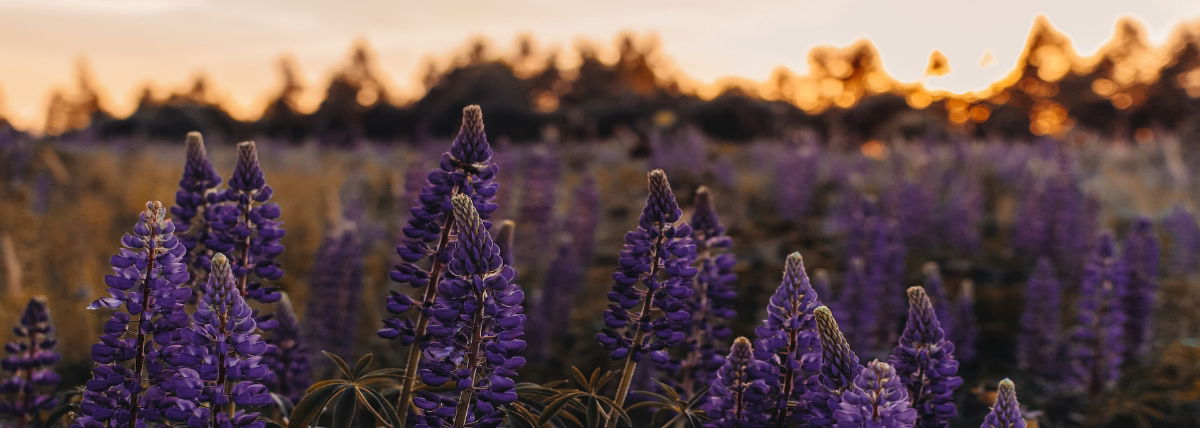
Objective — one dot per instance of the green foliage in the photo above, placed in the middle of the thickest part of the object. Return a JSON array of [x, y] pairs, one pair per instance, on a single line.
[[359, 393], [684, 413]]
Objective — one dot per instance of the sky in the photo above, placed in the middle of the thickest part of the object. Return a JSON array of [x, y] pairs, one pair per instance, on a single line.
[[237, 43]]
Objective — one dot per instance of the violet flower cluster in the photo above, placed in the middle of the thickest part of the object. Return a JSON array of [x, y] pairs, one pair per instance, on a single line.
[[30, 364], [739, 395], [476, 330], [246, 226], [287, 354], [658, 255], [197, 189], [716, 296], [1140, 259], [132, 381], [925, 362], [1097, 344], [466, 168], [966, 324], [788, 341], [1038, 341], [539, 194], [1006, 412], [1184, 242], [224, 354], [839, 367], [858, 306], [876, 399], [335, 286]]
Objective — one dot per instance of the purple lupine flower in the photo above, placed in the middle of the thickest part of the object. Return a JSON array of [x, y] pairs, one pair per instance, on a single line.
[[796, 181], [504, 238], [788, 341], [966, 325], [961, 215], [1140, 254], [536, 208], [31, 358], [715, 292], [859, 306], [335, 286], [885, 272], [247, 227], [839, 368], [925, 362], [876, 399], [466, 168], [1006, 412], [287, 354], [935, 288], [1054, 218], [582, 217], [1038, 341], [477, 330], [149, 280], [658, 255], [1184, 239], [224, 352], [197, 189], [550, 317], [739, 395], [1097, 342]]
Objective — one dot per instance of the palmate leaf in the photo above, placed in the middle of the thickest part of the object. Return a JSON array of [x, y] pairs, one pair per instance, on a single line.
[[361, 392], [686, 412], [578, 401]]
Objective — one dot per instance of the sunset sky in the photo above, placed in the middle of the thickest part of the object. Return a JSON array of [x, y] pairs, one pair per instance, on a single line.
[[237, 43]]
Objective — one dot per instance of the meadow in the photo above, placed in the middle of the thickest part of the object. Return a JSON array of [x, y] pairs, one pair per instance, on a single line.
[[1066, 265]]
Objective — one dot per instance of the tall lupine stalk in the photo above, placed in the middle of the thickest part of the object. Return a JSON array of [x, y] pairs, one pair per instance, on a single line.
[[1184, 241], [1097, 343], [885, 271], [966, 325], [1140, 254], [287, 354], [839, 368], [335, 285], [715, 294], [859, 306], [582, 217], [224, 352], [1038, 341], [935, 288], [467, 168], [247, 227], [31, 358], [1006, 412], [875, 399], [539, 194], [659, 256], [197, 190], [796, 175], [149, 280], [925, 362], [550, 317], [1053, 218], [477, 330], [788, 341], [740, 391]]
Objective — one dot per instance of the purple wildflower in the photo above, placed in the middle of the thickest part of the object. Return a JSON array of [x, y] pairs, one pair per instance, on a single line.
[[504, 238], [1038, 340], [477, 330], [247, 228], [966, 325], [839, 368], [225, 354], [876, 399], [788, 340], [739, 396], [1184, 236], [859, 306], [582, 218], [796, 181], [1141, 259], [31, 358], [658, 255], [925, 362], [1097, 342], [287, 354], [715, 292], [536, 209], [935, 288], [197, 189], [149, 280], [1006, 413], [335, 286]]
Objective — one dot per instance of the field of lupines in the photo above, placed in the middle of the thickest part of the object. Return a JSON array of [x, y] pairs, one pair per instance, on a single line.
[[779, 283]]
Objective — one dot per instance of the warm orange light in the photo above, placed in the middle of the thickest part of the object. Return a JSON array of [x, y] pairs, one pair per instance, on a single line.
[[873, 149], [938, 65], [1122, 101], [1143, 135], [980, 113]]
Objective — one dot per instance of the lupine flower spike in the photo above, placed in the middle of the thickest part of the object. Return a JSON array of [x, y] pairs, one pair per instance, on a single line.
[[467, 168], [197, 189], [1006, 413], [148, 280], [788, 341], [477, 331], [738, 396], [1038, 341], [225, 353], [876, 399], [839, 368], [715, 294], [659, 256], [249, 228], [288, 354], [1141, 259], [1096, 344], [31, 358], [925, 362]]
